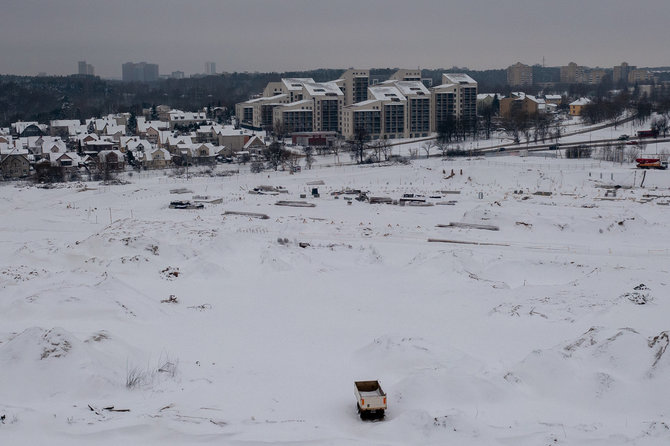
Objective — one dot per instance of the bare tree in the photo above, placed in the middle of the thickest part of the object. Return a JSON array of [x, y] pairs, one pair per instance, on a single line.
[[275, 153], [427, 147], [443, 147], [631, 154], [358, 144], [337, 148], [309, 156]]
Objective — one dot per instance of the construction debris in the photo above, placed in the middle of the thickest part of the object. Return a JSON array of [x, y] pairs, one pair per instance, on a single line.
[[470, 226], [296, 204], [268, 190], [207, 199], [461, 242], [381, 200], [185, 205], [248, 214]]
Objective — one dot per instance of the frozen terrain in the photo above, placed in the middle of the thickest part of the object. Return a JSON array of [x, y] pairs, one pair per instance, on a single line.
[[202, 328]]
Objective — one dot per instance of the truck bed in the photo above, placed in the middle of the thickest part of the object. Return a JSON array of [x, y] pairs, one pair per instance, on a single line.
[[370, 393]]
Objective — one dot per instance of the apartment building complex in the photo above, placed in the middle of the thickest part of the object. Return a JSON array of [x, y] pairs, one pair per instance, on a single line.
[[620, 72], [84, 68], [139, 72], [519, 75], [577, 74], [454, 99], [210, 68], [354, 84], [401, 107]]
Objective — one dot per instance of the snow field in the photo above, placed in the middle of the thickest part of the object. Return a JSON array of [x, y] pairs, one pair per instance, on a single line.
[[234, 334]]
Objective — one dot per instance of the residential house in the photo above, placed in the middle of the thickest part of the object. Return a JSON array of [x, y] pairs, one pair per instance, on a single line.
[[576, 107], [112, 159], [154, 158], [65, 127], [233, 139], [519, 104], [14, 163], [26, 129], [255, 145], [204, 153], [97, 146], [555, 99], [181, 118]]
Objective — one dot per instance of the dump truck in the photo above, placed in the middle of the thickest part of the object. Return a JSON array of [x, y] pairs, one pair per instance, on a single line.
[[370, 399]]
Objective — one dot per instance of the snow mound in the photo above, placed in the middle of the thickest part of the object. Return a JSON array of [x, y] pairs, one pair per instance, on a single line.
[[39, 362], [602, 363]]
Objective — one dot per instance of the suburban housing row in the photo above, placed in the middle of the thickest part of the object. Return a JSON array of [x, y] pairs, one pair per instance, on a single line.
[[69, 145], [401, 107]]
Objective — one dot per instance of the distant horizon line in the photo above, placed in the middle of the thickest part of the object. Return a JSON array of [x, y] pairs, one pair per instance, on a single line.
[[165, 76]]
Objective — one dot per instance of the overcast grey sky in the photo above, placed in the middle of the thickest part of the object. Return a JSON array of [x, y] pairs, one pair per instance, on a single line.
[[280, 35]]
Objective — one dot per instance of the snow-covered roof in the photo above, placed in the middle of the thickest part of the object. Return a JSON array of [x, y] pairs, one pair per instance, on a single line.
[[102, 156], [151, 154], [114, 129], [364, 105], [270, 99], [552, 97], [142, 127], [323, 89], [483, 96], [581, 101], [458, 78], [534, 99], [253, 141], [444, 86], [20, 126], [296, 83], [409, 88], [6, 150], [76, 160], [100, 142], [139, 144], [386, 93], [295, 104], [178, 115], [65, 123], [230, 130], [54, 147], [209, 147]]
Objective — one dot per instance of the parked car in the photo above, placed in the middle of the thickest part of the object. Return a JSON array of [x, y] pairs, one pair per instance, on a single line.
[[623, 137]]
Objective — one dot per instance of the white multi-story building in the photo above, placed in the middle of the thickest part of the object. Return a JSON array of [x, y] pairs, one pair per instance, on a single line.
[[354, 85], [455, 99], [258, 113], [322, 102], [401, 107]]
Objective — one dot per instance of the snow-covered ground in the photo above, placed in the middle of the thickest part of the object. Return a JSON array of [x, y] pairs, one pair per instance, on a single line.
[[213, 329]]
